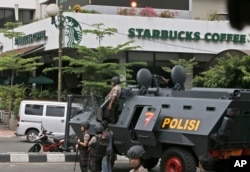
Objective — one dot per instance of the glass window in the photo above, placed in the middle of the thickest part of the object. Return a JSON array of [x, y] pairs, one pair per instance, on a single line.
[[31, 109], [9, 16], [56, 111], [1, 18], [141, 57], [162, 59], [25, 16], [76, 111], [6, 15]]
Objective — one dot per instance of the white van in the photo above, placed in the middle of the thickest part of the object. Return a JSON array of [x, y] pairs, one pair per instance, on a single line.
[[50, 114]]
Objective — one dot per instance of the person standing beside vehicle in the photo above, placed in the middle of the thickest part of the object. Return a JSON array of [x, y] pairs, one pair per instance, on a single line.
[[82, 146], [106, 162], [98, 148], [135, 155], [113, 104]]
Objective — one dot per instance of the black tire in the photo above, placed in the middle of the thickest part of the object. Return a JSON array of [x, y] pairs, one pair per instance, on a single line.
[[177, 160], [150, 163], [35, 148], [31, 136]]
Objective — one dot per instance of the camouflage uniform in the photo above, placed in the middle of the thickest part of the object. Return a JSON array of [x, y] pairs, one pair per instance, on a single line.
[[84, 153], [110, 114]]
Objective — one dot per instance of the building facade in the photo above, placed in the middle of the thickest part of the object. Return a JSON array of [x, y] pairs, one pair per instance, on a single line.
[[160, 39]]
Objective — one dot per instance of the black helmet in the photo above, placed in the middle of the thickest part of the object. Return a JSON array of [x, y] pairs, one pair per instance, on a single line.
[[116, 80], [99, 128], [85, 124], [135, 152], [105, 124]]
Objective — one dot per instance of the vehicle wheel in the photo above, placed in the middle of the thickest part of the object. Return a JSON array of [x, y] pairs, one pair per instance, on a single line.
[[177, 160], [31, 135], [35, 148], [150, 163]]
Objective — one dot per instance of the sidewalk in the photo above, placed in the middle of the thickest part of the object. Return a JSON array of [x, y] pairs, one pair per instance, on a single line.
[[6, 132]]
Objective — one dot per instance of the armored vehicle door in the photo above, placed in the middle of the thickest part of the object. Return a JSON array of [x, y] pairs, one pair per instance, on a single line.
[[145, 125]]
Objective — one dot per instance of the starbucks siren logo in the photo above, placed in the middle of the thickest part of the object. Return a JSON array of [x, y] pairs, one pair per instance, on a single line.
[[72, 32]]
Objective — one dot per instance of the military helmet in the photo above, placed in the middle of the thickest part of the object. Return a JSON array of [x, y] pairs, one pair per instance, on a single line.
[[85, 124], [116, 80], [135, 152], [99, 128], [105, 124]]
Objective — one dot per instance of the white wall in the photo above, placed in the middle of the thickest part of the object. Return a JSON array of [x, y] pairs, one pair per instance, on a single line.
[[24, 4], [123, 23]]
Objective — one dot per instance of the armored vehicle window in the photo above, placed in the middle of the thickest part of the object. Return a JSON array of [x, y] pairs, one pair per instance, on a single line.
[[210, 108], [187, 107], [75, 111], [166, 106], [57, 111], [31, 109]]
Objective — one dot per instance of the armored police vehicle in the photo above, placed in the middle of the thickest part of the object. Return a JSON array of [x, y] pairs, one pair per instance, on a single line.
[[173, 125]]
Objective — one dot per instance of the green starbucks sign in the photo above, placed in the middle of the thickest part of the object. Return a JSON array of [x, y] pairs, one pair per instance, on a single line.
[[31, 38], [213, 37]]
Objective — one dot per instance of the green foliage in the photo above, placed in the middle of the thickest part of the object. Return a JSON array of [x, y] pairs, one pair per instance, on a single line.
[[231, 71], [90, 11], [9, 30], [100, 33], [94, 66], [42, 94], [14, 95], [84, 11], [15, 63], [187, 64]]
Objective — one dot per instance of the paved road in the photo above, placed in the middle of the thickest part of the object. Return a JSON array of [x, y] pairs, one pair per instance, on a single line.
[[57, 167], [14, 144]]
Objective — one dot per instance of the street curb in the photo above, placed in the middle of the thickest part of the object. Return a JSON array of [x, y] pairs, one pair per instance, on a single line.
[[42, 157]]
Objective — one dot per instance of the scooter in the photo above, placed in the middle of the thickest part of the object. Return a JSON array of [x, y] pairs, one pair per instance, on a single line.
[[50, 143]]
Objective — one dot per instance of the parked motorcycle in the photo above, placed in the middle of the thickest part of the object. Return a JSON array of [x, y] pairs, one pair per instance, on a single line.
[[49, 143]]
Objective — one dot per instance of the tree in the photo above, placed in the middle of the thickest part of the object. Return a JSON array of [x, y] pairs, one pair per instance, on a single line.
[[99, 32], [231, 71], [187, 64], [9, 31], [15, 63], [94, 65]]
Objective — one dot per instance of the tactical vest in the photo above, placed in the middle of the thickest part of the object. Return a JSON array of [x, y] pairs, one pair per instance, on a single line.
[[85, 149], [100, 146]]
